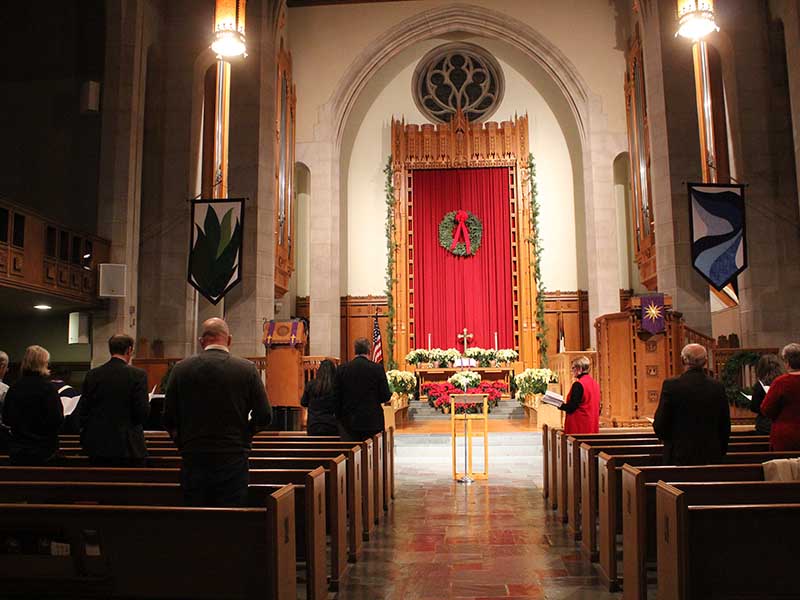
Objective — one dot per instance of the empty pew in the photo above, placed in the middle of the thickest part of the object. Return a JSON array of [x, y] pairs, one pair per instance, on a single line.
[[589, 481], [80, 551], [310, 499], [638, 506], [705, 530]]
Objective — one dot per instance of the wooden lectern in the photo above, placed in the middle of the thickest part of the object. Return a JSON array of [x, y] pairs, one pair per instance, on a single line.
[[285, 343]]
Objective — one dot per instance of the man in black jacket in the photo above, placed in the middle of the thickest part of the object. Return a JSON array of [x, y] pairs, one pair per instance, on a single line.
[[693, 417], [113, 407], [362, 388], [208, 406]]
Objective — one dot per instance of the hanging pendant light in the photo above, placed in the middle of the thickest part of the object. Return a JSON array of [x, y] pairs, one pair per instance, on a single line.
[[696, 18], [229, 38]]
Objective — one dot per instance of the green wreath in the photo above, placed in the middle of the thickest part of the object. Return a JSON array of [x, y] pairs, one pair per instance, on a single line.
[[730, 375], [447, 229]]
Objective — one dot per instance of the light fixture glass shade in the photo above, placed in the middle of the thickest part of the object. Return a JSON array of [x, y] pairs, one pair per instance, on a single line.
[[696, 18], [229, 33]]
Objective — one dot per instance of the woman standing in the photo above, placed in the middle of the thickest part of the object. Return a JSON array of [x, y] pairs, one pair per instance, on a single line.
[[583, 400], [320, 399], [768, 368], [782, 403], [33, 411]]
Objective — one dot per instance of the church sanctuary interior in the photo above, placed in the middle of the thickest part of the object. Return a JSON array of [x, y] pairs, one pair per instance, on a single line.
[[491, 192]]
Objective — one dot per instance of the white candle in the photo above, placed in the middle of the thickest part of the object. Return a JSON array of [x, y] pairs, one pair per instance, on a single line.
[[495, 341], [429, 341]]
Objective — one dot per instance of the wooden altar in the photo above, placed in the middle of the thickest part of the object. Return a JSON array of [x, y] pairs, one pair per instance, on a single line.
[[633, 364], [462, 144], [504, 374]]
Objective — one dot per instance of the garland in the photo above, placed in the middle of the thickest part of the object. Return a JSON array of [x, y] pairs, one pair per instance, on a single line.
[[391, 247], [731, 372], [474, 228], [541, 329]]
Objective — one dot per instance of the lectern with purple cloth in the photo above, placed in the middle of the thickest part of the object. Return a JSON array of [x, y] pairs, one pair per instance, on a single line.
[[285, 343]]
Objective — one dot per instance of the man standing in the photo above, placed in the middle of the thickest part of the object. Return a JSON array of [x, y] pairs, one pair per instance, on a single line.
[[362, 390], [113, 408], [693, 417], [3, 369], [208, 406]]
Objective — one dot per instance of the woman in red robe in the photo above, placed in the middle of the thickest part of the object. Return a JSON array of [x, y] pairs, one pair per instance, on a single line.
[[583, 400], [782, 403]]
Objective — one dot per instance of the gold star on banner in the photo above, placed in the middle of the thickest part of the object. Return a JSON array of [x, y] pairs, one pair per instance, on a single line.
[[652, 312]]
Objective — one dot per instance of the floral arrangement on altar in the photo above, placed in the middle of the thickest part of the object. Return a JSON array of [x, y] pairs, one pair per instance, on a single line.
[[439, 395], [534, 381], [483, 356], [401, 382], [464, 379], [507, 356]]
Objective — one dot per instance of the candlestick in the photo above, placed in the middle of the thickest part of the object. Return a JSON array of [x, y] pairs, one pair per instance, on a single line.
[[495, 341], [429, 341]]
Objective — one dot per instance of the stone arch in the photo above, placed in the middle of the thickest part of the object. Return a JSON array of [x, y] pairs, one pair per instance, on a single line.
[[463, 18]]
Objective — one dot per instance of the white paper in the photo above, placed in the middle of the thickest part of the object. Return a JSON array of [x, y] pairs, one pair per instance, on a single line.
[[749, 397]]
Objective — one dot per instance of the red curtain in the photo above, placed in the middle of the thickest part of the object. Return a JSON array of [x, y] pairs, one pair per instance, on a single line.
[[452, 292]]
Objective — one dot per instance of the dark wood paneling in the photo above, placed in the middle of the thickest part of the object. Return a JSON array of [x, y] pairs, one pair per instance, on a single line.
[[568, 311]]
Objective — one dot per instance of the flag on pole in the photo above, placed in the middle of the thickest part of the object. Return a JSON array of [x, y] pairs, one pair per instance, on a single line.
[[377, 342]]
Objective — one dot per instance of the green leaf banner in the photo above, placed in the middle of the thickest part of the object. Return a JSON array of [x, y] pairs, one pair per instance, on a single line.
[[215, 246]]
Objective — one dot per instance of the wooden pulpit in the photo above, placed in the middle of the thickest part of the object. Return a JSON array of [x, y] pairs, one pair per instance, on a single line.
[[632, 364], [285, 343]]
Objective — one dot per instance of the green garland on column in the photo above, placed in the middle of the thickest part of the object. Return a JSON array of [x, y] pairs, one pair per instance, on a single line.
[[391, 246], [535, 240]]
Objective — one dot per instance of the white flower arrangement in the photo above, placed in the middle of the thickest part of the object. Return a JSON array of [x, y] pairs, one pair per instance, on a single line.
[[451, 355], [401, 382], [465, 379], [483, 356], [507, 355], [416, 357], [534, 381]]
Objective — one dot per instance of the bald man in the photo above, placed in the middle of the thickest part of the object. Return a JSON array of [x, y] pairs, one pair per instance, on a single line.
[[693, 418], [214, 405]]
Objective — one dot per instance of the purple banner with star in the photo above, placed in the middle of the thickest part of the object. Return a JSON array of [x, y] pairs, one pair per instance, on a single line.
[[653, 313]]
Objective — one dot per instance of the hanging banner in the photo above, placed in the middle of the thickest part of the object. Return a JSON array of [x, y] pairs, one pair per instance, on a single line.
[[653, 312], [215, 246], [717, 225]]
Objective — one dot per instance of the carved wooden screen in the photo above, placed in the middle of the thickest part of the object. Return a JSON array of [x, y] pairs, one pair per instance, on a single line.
[[461, 144], [639, 144], [284, 173]]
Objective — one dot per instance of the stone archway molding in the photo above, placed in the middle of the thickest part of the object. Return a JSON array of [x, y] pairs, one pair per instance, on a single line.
[[462, 18]]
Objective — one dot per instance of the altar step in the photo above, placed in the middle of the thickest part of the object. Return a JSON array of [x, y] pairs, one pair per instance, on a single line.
[[506, 409]]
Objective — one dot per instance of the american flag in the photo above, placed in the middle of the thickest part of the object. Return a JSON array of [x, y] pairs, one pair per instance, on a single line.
[[377, 342]]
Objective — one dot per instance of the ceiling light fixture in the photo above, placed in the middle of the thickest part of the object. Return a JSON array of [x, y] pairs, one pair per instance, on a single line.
[[42, 307], [696, 19], [229, 39]]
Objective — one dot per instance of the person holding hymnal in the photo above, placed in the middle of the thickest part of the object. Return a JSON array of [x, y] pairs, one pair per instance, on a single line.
[[768, 368], [583, 400]]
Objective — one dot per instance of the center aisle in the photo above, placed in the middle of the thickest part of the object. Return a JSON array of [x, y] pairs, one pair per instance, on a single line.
[[490, 539]]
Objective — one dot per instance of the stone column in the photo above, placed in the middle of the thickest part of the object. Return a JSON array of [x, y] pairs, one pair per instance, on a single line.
[[252, 174], [119, 194], [674, 160], [325, 221]]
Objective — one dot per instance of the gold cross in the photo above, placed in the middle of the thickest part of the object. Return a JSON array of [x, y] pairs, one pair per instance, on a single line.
[[465, 336]]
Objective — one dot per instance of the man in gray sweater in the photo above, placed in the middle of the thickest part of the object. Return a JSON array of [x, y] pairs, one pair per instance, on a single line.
[[214, 405]]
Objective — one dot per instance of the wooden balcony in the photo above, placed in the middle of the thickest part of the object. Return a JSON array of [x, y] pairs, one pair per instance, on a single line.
[[39, 255]]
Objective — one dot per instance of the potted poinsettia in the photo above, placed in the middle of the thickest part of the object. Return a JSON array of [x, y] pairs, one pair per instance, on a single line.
[[465, 379], [402, 384]]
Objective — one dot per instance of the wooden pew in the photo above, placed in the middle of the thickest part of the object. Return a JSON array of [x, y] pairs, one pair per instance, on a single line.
[[589, 481], [638, 501], [151, 552], [545, 462], [706, 530], [310, 511]]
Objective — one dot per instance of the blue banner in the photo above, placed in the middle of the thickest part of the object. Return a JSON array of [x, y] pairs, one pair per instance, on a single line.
[[717, 222]]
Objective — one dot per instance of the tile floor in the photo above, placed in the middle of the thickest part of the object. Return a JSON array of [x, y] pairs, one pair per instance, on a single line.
[[491, 539]]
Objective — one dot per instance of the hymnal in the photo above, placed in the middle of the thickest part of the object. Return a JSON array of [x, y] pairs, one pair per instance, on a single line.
[[553, 398]]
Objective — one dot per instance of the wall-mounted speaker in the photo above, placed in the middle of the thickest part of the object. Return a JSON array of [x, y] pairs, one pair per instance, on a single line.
[[78, 328], [112, 280]]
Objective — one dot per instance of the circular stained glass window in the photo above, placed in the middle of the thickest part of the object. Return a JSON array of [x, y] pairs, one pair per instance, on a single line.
[[458, 76]]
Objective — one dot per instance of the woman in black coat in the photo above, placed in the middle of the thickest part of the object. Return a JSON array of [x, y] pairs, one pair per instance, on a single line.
[[320, 399], [33, 411]]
